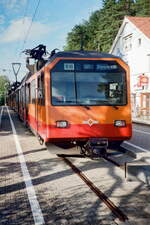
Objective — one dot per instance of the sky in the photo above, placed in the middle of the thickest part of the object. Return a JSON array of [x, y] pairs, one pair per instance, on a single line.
[[24, 24]]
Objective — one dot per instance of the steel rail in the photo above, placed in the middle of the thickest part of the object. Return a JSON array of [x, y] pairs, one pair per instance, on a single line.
[[112, 161], [115, 210], [123, 167]]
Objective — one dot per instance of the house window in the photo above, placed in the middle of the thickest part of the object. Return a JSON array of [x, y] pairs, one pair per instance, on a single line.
[[127, 42]]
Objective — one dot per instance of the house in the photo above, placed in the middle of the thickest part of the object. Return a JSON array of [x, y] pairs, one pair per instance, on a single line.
[[132, 44]]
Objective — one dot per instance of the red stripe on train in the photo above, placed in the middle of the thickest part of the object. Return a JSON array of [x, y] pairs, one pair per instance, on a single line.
[[75, 131], [96, 130]]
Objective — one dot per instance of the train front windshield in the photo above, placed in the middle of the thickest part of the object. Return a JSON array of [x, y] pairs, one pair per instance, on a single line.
[[88, 83]]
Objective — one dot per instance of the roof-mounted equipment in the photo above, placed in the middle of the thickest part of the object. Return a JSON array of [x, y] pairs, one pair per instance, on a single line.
[[38, 53]]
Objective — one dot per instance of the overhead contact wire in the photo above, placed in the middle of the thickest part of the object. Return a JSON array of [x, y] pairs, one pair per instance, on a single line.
[[29, 29], [25, 12]]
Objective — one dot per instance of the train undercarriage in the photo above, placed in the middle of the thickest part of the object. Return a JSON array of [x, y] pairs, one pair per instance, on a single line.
[[93, 148]]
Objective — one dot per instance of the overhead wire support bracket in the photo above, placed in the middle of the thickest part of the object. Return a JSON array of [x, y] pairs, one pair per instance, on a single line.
[[16, 68]]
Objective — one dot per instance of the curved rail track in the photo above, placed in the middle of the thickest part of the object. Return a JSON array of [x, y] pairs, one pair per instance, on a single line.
[[115, 210]]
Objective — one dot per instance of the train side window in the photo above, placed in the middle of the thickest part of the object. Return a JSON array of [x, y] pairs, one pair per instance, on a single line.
[[41, 90], [32, 91], [28, 96], [23, 96], [29, 93]]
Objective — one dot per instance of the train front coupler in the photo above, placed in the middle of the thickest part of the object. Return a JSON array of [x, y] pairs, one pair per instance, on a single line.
[[95, 148]]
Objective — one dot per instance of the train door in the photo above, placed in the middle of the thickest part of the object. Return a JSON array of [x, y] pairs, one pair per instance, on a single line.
[[17, 100], [27, 101], [32, 107], [40, 109], [22, 102]]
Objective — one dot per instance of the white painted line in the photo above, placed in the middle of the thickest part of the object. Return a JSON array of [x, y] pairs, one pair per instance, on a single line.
[[135, 146], [1, 115], [35, 207], [140, 131]]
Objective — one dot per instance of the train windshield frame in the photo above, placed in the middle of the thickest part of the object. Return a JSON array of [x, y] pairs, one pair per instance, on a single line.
[[88, 82]]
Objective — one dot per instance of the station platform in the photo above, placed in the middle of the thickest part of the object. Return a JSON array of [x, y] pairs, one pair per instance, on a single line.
[[141, 121], [37, 187]]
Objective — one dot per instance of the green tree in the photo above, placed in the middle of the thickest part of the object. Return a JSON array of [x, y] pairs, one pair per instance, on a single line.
[[4, 84], [101, 28], [92, 28], [78, 37], [142, 7], [111, 20]]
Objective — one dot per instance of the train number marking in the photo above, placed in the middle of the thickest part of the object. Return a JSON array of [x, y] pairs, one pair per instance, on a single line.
[[68, 66]]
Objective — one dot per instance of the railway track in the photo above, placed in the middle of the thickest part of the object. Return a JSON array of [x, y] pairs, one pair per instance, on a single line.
[[115, 210]]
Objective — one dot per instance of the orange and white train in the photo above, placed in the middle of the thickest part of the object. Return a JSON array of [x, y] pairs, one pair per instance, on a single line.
[[77, 97]]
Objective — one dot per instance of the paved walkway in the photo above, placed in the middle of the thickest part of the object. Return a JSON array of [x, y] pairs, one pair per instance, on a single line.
[[62, 196], [141, 121]]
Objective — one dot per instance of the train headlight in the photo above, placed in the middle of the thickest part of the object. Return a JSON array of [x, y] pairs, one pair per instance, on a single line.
[[120, 123], [61, 123]]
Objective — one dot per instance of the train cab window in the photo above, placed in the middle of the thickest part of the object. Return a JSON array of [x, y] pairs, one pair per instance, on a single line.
[[90, 83], [63, 89]]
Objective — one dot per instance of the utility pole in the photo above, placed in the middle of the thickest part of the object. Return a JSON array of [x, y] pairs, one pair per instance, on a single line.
[[16, 68], [81, 40]]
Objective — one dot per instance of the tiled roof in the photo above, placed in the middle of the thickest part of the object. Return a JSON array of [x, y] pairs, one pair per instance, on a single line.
[[142, 23]]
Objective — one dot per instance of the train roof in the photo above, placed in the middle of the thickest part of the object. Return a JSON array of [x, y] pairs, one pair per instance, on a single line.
[[81, 54]]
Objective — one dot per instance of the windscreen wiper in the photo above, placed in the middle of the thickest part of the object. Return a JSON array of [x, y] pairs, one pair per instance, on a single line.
[[78, 104], [85, 106]]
